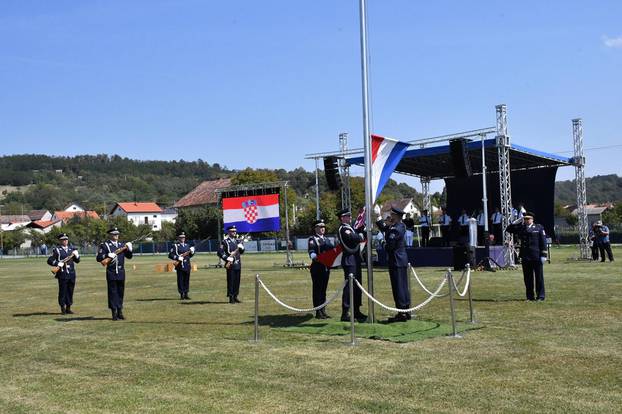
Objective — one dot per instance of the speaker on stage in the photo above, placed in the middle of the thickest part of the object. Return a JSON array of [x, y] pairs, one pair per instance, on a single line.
[[331, 170], [462, 255], [460, 158], [435, 242]]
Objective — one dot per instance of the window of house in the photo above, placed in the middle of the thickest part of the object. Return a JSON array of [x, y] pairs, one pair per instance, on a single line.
[[146, 220]]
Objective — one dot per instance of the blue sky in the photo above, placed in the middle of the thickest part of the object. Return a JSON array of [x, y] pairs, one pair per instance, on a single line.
[[262, 83]]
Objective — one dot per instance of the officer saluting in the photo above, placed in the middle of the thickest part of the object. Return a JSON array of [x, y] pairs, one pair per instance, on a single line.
[[532, 252], [350, 239], [112, 254], [398, 262], [230, 250], [63, 258], [182, 252], [319, 272]]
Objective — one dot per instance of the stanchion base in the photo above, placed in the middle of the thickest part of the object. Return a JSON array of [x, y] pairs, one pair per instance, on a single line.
[[254, 341], [456, 336]]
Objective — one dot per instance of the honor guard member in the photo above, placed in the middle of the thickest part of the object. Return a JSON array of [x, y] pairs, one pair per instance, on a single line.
[[64, 257], [445, 224], [424, 223], [533, 253], [350, 239], [319, 272], [230, 250], [113, 252], [182, 252], [497, 220], [398, 262], [481, 226], [463, 221], [410, 230]]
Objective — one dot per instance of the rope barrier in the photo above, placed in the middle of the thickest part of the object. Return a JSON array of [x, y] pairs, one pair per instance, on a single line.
[[466, 285], [293, 309], [391, 309], [423, 286]]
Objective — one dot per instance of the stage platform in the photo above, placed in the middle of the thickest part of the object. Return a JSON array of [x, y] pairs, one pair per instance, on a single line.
[[444, 256]]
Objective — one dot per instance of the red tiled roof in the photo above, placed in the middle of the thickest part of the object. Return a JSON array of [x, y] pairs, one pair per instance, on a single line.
[[135, 207], [68, 215], [204, 193], [43, 223]]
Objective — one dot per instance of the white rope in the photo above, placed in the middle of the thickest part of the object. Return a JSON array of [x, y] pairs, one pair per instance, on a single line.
[[291, 308], [466, 285], [415, 308], [425, 288]]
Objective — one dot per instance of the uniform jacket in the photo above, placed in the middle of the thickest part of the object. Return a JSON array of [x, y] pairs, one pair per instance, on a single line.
[[176, 254], [67, 272], [532, 238], [350, 240], [116, 268], [227, 246], [424, 221], [318, 244], [395, 244]]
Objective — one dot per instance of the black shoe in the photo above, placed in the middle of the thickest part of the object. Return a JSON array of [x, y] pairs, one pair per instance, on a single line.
[[236, 300], [326, 315], [62, 310], [120, 314], [186, 296], [318, 315], [399, 317], [359, 316], [540, 299], [182, 296], [68, 310], [114, 315], [231, 299], [345, 317]]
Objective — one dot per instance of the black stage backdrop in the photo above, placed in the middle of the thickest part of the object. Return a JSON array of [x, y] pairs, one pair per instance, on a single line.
[[534, 189]]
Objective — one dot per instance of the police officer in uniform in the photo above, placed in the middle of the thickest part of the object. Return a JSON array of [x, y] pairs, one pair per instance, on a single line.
[[410, 230], [117, 252], [398, 262], [496, 220], [425, 223], [319, 272], [481, 226], [463, 221], [350, 239], [230, 250], [182, 252], [533, 254], [445, 222], [65, 256]]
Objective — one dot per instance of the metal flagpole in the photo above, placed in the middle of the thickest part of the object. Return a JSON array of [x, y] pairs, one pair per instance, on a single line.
[[317, 192], [367, 147], [484, 190]]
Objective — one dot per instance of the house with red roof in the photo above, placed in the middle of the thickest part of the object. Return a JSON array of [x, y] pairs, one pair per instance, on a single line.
[[204, 194], [137, 213]]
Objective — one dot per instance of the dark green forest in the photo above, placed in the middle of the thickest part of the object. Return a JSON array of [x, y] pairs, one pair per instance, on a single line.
[[600, 189]]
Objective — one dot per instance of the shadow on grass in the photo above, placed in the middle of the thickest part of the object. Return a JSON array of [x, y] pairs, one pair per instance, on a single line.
[[281, 321], [25, 315], [81, 318], [206, 302], [155, 299], [494, 300]]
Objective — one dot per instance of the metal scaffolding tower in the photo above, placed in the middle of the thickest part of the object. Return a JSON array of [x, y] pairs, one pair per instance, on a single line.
[[505, 187], [425, 188], [579, 164], [344, 170]]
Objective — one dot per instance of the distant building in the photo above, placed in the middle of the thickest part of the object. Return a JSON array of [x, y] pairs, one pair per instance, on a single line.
[[148, 213], [36, 215], [13, 221], [169, 214], [594, 211], [204, 194], [65, 216], [44, 226], [404, 204]]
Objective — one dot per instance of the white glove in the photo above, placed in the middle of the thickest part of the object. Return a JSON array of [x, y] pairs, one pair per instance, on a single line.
[[230, 259], [313, 255], [76, 254], [518, 221], [240, 246], [543, 260], [129, 246], [192, 250], [61, 264], [377, 210], [112, 255], [180, 258]]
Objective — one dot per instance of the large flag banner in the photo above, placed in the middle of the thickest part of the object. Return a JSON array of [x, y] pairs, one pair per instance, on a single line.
[[386, 153], [252, 214], [332, 257]]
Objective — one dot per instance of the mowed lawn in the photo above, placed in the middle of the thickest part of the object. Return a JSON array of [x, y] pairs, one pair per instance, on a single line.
[[562, 355]]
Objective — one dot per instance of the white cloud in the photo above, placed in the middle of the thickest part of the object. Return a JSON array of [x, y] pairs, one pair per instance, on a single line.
[[613, 42]]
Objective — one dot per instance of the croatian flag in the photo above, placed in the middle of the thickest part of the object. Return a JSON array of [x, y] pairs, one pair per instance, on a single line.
[[332, 258], [252, 214], [386, 153]]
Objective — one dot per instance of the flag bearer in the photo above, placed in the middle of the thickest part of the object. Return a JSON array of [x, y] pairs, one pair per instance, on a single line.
[[320, 273], [117, 252], [65, 256], [182, 252]]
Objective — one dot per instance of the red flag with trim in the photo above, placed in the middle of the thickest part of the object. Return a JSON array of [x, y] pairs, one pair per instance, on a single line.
[[332, 258]]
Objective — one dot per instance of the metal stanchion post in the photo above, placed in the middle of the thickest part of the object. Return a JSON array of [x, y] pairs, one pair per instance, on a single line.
[[256, 336], [410, 293], [450, 282], [471, 315], [351, 287]]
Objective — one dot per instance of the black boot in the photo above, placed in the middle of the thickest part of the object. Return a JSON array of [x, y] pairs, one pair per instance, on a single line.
[[359, 316], [326, 315], [62, 310], [236, 300], [114, 315], [182, 296], [68, 309], [318, 315], [120, 314], [186, 296], [344, 316], [231, 299]]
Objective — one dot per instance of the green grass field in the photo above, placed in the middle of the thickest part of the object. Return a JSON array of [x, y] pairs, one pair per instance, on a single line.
[[562, 355]]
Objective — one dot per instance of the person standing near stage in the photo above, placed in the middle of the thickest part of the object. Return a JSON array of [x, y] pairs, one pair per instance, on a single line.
[[445, 222], [398, 262], [410, 230], [533, 253], [481, 226], [230, 250], [182, 252], [112, 253], [602, 238], [320, 274], [463, 221], [424, 223], [350, 240], [64, 258], [594, 241], [497, 220]]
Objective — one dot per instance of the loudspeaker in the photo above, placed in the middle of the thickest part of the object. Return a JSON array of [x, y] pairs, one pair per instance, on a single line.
[[463, 255], [331, 170], [460, 158], [435, 242]]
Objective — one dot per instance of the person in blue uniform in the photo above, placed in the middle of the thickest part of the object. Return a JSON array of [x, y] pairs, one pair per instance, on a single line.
[[230, 250], [320, 274], [398, 262], [497, 219], [182, 252], [65, 256], [117, 252], [350, 240], [445, 224], [424, 222], [533, 253], [603, 243]]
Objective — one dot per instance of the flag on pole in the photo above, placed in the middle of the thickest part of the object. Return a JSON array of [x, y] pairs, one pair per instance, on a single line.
[[332, 257], [360, 219], [252, 213], [386, 153]]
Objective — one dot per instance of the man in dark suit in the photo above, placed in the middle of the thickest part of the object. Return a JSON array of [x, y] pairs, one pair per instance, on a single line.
[[533, 253], [320, 274], [398, 262], [112, 253], [230, 250], [64, 258], [350, 239], [182, 252]]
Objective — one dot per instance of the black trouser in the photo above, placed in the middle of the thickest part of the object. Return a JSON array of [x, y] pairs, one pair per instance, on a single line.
[[183, 281], [445, 235], [399, 286], [425, 236], [595, 252], [345, 298], [480, 235], [464, 235], [496, 230], [532, 269], [605, 247], [233, 282], [116, 290], [319, 276], [65, 291]]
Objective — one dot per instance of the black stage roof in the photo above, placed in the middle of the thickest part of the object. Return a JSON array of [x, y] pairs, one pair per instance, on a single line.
[[435, 162]]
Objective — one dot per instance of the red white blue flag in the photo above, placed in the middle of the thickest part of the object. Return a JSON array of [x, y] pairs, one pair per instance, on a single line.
[[386, 153], [252, 214]]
